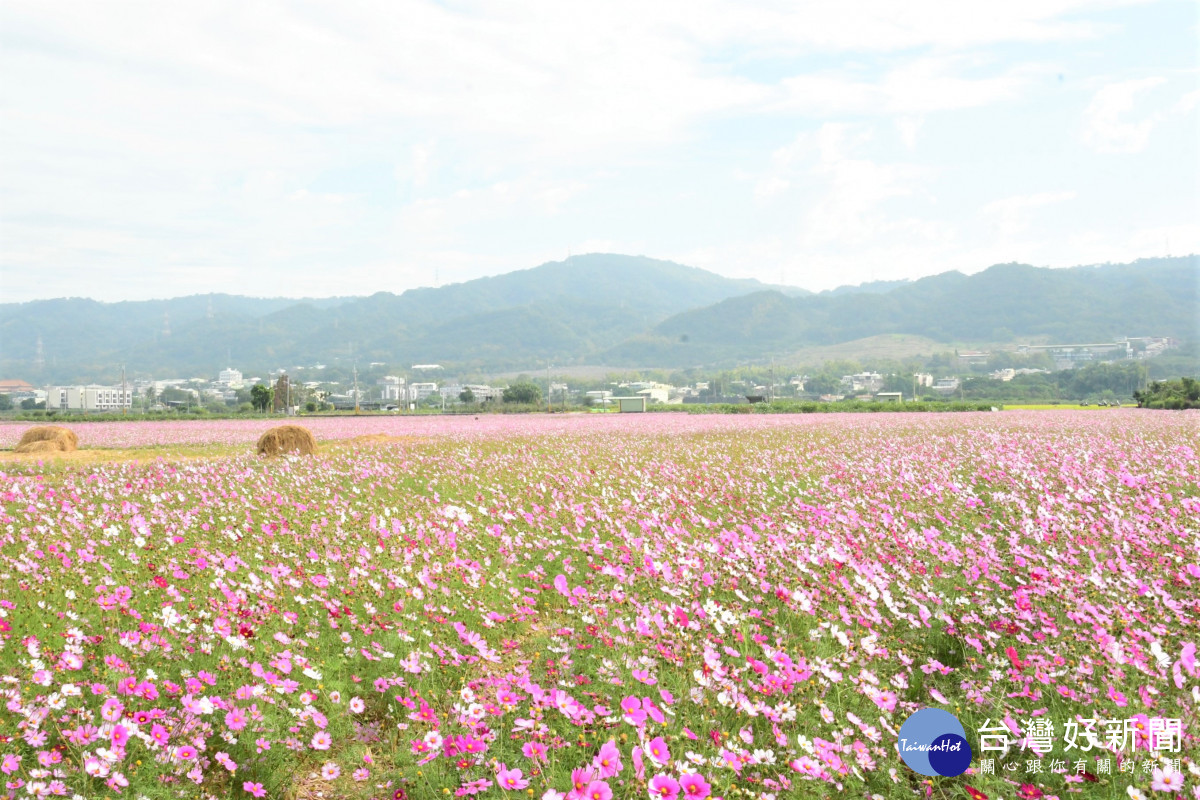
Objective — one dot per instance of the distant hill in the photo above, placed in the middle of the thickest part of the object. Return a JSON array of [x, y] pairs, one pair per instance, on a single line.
[[593, 309], [1005, 303], [871, 287], [560, 310]]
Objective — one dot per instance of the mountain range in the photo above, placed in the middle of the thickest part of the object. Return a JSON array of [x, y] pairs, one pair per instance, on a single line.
[[591, 309]]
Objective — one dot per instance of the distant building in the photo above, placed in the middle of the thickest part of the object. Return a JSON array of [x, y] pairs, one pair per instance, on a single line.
[[89, 398], [12, 386], [655, 394], [390, 387], [627, 404], [484, 393], [946, 385], [230, 377], [1005, 375], [862, 382], [1150, 346], [601, 397], [974, 356], [1069, 356], [923, 379], [419, 391]]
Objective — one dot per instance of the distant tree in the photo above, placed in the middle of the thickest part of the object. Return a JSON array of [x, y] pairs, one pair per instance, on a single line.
[[822, 384], [282, 394], [310, 406], [523, 392], [242, 395], [29, 404], [260, 397], [1180, 394], [6, 402], [466, 396]]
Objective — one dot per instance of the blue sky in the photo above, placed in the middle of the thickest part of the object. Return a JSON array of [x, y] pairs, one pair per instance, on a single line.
[[312, 149]]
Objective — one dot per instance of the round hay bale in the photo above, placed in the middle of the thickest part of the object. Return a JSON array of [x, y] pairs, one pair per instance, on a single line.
[[287, 439], [63, 439], [42, 446]]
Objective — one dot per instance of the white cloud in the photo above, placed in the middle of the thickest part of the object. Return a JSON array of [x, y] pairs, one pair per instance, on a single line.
[[190, 142], [908, 128], [1010, 216], [1106, 128], [854, 188]]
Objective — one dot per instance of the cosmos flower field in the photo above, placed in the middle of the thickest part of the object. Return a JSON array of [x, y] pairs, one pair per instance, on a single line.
[[607, 606]]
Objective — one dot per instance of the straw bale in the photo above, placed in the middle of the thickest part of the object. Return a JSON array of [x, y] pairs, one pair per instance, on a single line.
[[48, 438], [287, 439]]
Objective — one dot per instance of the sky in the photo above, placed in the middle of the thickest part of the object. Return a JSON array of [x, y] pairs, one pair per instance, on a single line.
[[295, 149]]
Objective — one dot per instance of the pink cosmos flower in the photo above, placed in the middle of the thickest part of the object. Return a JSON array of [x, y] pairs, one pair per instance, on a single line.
[[664, 786], [886, 700], [321, 740], [657, 749], [694, 787], [120, 736], [255, 789], [534, 750], [1167, 780], [510, 779], [608, 761], [235, 719], [330, 771], [598, 790], [580, 778], [112, 710]]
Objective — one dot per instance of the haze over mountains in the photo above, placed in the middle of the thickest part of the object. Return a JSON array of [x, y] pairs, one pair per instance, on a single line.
[[602, 309]]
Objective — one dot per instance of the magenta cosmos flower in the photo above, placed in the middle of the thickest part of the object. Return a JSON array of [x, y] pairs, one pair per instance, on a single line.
[[657, 749], [694, 787], [664, 786], [511, 779], [608, 760], [598, 790], [580, 778]]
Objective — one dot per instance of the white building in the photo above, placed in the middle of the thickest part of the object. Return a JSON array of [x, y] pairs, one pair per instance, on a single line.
[[390, 387], [89, 398], [655, 394], [230, 377], [484, 393], [863, 382], [602, 397], [946, 385], [924, 379], [419, 391]]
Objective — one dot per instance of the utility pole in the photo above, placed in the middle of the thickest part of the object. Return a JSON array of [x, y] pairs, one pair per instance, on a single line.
[[122, 390], [356, 389]]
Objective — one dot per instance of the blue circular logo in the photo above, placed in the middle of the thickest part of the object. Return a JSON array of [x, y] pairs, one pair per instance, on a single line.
[[933, 742]]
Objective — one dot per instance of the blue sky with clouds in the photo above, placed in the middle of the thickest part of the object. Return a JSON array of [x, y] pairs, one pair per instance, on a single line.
[[310, 149]]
